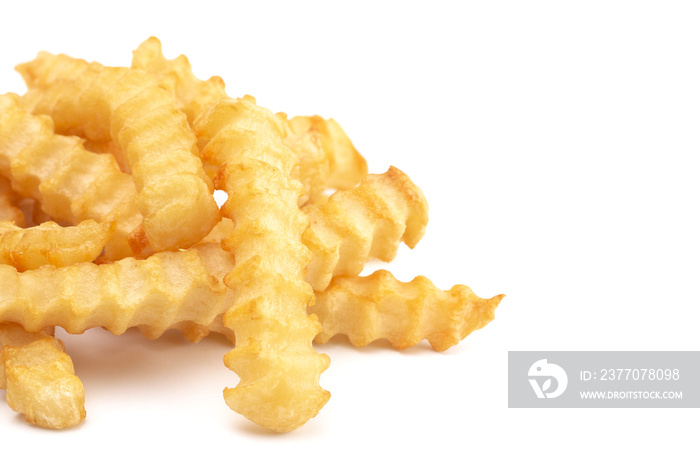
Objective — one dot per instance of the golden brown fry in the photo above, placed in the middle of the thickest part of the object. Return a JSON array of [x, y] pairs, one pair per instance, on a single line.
[[274, 356], [368, 221], [71, 183], [52, 244], [167, 290], [379, 306], [39, 378], [347, 166], [192, 94], [108, 103]]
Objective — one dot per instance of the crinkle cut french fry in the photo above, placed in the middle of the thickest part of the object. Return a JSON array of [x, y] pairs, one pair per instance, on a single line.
[[368, 221], [71, 183], [127, 106], [378, 306], [39, 378], [192, 94], [167, 290], [52, 244], [347, 166], [279, 368]]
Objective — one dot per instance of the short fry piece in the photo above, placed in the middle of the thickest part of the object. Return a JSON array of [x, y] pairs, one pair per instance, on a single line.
[[71, 183], [347, 166], [167, 290], [274, 356], [39, 378], [379, 306], [52, 244], [127, 106], [368, 221]]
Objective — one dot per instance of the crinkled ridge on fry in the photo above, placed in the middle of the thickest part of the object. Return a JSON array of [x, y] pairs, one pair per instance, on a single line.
[[167, 290], [274, 356], [368, 221], [127, 106], [39, 378], [378, 306], [71, 183], [52, 244]]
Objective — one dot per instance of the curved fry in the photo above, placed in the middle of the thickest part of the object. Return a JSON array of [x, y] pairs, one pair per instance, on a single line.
[[71, 183], [379, 306], [127, 106], [279, 369], [52, 244], [368, 221], [39, 378]]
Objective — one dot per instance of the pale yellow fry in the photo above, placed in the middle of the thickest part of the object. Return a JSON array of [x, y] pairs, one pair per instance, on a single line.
[[368, 221], [52, 244], [167, 290], [379, 306], [274, 356], [347, 166], [128, 107], [39, 378], [192, 94], [71, 183]]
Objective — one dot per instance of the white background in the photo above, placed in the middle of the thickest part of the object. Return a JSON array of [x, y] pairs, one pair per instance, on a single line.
[[557, 144]]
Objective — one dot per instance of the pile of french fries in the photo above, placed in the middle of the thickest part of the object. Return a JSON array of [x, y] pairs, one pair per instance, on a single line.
[[108, 219]]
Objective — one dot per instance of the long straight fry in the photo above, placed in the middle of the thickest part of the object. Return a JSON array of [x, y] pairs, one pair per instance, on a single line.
[[279, 369]]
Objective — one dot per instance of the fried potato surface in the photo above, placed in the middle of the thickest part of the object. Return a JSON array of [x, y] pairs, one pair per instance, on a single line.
[[347, 166], [314, 167], [167, 290], [274, 356], [71, 183], [368, 221], [378, 306], [9, 212], [192, 95], [52, 244], [127, 106], [39, 378]]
